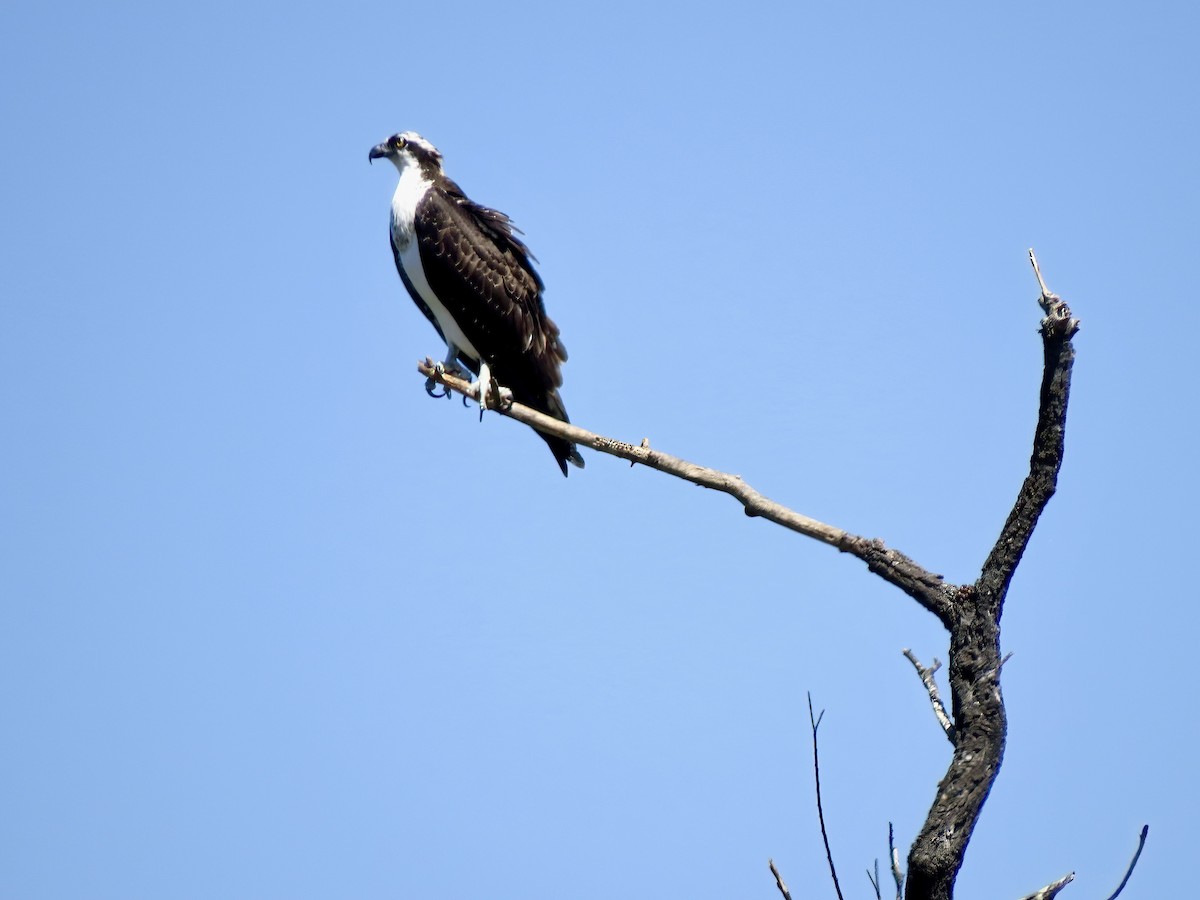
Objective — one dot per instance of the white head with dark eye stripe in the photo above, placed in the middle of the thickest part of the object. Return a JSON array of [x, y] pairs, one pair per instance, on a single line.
[[409, 150]]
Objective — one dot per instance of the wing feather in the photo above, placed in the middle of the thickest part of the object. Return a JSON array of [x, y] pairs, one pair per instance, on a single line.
[[484, 275]]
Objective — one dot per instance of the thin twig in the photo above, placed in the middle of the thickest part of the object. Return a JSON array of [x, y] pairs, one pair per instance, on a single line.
[[1047, 299], [1051, 889], [816, 723], [927, 588], [779, 882], [897, 875], [874, 879], [927, 679], [1058, 314], [1133, 862]]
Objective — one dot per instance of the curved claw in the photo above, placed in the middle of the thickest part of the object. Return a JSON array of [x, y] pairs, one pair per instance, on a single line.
[[431, 383]]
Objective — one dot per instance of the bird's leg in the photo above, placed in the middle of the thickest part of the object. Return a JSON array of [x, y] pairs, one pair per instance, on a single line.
[[450, 365], [484, 385], [491, 394]]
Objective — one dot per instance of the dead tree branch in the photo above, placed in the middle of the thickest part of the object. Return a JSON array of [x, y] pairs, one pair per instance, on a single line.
[[894, 855], [779, 882], [1052, 889], [1133, 862], [874, 879], [970, 612], [977, 705], [935, 698], [925, 587], [816, 723]]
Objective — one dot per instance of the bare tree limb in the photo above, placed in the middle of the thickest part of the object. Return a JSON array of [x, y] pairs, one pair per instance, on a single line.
[[874, 879], [977, 705], [927, 679], [970, 613], [1051, 889], [1133, 862], [1047, 298], [779, 882], [894, 854], [1057, 329], [816, 723], [927, 588]]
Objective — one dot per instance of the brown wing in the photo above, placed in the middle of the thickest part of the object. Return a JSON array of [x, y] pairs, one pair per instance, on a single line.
[[483, 274]]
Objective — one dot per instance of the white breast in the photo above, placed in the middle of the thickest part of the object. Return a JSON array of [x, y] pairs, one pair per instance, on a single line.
[[409, 192]]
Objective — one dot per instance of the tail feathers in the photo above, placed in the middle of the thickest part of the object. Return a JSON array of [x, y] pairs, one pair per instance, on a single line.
[[533, 391], [564, 451]]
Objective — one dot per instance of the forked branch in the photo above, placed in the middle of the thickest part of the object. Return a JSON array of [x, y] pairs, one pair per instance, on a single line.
[[894, 862], [976, 722], [977, 705]]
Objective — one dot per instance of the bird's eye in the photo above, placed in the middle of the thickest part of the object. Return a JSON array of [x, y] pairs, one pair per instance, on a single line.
[[399, 143]]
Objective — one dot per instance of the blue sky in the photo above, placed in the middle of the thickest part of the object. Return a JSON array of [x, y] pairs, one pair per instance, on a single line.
[[275, 624]]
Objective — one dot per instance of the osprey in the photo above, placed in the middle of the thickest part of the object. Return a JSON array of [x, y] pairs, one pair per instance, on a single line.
[[472, 278]]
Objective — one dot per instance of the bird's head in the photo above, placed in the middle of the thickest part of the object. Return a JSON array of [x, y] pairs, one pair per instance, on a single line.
[[408, 149]]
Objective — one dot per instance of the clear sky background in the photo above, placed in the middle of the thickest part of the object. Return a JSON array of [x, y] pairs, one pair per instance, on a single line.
[[277, 625]]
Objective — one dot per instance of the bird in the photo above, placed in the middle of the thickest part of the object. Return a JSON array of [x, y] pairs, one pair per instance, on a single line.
[[473, 278]]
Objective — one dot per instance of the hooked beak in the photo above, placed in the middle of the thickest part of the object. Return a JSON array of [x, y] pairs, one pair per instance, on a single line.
[[379, 151]]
